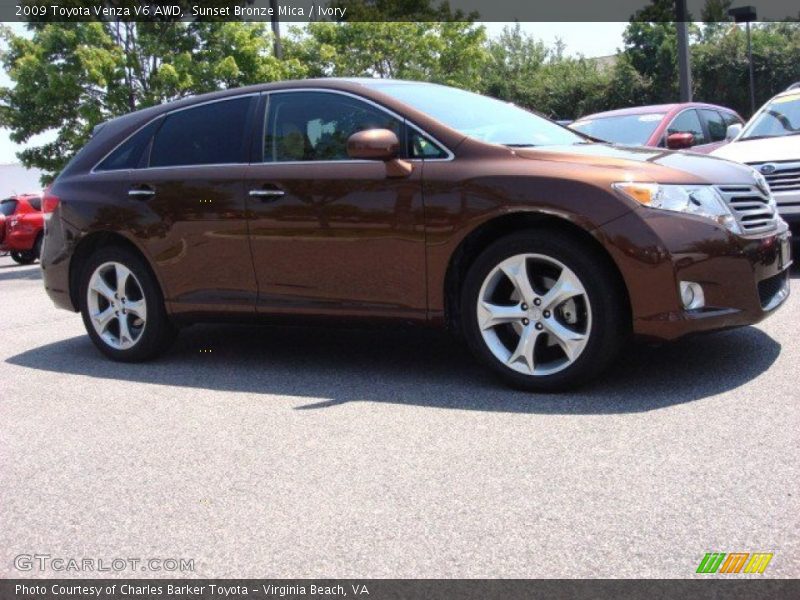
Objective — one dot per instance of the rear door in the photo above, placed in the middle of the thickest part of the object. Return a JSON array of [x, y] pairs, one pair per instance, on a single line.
[[193, 184]]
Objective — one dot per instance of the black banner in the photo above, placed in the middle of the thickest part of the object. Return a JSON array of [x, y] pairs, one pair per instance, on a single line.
[[395, 589], [298, 11]]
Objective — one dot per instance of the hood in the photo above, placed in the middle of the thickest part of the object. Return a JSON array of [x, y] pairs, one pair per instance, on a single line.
[[762, 150], [639, 163]]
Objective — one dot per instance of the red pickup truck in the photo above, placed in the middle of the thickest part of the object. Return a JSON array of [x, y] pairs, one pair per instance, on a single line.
[[22, 227]]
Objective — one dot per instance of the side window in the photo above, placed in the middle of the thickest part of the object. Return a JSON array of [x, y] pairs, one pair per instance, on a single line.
[[129, 154], [716, 125], [420, 146], [35, 202], [8, 206], [212, 133], [314, 126], [731, 118], [688, 122]]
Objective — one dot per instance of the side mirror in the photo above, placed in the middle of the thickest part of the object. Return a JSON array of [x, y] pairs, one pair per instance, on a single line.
[[678, 141], [733, 131], [373, 144]]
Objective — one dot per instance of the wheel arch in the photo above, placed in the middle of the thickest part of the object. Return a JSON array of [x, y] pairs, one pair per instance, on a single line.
[[93, 242], [498, 227]]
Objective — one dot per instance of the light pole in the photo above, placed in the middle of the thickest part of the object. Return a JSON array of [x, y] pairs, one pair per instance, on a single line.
[[684, 64], [746, 14], [276, 29]]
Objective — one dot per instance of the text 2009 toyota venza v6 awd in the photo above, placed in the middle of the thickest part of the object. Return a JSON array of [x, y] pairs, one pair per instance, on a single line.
[[402, 200]]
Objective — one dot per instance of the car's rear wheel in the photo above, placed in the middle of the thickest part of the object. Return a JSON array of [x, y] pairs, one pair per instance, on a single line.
[[542, 311], [24, 257], [122, 306]]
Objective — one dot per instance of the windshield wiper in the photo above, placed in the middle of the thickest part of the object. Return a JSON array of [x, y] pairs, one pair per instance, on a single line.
[[520, 145]]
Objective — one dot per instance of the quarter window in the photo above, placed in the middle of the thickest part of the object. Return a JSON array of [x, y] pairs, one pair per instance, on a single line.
[[688, 122], [315, 126], [129, 154], [420, 146], [212, 133]]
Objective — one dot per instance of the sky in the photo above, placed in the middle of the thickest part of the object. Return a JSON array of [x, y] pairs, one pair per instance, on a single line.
[[588, 39]]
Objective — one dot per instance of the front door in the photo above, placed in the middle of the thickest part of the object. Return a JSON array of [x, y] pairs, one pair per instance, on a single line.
[[331, 235]]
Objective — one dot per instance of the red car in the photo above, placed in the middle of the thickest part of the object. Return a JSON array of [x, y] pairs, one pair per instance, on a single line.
[[700, 127], [22, 227]]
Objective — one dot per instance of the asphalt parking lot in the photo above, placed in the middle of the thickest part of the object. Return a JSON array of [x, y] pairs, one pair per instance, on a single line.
[[292, 452]]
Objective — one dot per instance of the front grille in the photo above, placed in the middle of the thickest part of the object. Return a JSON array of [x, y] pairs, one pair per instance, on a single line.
[[781, 176], [771, 288], [753, 209]]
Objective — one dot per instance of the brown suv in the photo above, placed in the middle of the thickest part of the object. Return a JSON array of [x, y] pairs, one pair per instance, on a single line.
[[379, 199]]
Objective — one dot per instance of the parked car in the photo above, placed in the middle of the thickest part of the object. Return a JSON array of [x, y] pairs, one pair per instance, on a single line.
[[770, 143], [693, 125], [377, 199], [22, 227]]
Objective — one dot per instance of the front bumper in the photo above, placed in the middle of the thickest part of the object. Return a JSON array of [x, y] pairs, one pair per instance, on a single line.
[[744, 278]]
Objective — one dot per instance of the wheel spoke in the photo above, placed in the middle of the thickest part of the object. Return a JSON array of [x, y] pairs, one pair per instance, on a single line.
[[571, 341], [122, 278], [516, 269], [125, 337], [524, 351], [492, 315], [100, 286], [138, 308], [565, 288], [103, 318]]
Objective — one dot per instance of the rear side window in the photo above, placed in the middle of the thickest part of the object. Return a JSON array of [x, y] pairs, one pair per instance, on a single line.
[[35, 202], [209, 134], [7, 207], [130, 153], [716, 125]]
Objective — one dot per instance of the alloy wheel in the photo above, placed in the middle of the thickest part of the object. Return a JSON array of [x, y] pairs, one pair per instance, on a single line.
[[534, 314], [117, 306]]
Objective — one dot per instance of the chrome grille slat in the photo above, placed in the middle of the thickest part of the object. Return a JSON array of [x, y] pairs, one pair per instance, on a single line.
[[785, 177], [753, 210]]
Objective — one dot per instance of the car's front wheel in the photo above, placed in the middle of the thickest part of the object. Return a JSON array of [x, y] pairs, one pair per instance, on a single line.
[[122, 306], [542, 311]]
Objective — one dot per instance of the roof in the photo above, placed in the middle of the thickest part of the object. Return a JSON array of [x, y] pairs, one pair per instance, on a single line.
[[652, 108]]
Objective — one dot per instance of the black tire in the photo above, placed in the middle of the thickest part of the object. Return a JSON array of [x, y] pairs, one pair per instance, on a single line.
[[610, 322], [37, 247], [158, 332], [24, 257]]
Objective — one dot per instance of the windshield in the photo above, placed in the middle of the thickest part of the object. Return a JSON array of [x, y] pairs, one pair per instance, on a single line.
[[778, 118], [480, 117], [624, 129]]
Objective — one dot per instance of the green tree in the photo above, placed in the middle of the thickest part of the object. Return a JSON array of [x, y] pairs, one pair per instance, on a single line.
[[446, 52], [69, 77]]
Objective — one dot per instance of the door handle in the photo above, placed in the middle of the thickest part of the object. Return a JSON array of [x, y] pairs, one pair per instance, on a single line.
[[266, 193], [141, 192]]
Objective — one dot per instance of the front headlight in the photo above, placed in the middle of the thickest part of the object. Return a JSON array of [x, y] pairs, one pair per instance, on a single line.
[[700, 200]]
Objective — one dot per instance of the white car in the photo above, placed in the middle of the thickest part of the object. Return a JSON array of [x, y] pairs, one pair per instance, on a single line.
[[770, 143]]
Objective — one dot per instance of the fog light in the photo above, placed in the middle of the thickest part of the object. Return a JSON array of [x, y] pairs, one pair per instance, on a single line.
[[692, 295]]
